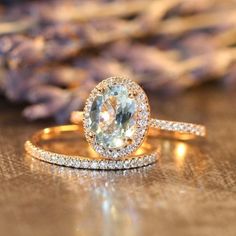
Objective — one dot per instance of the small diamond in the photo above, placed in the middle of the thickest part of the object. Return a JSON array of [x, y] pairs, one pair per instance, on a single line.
[[119, 165], [94, 165], [85, 164], [127, 164]]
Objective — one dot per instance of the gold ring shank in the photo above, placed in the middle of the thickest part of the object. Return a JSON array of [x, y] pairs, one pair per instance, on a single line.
[[144, 156], [163, 128]]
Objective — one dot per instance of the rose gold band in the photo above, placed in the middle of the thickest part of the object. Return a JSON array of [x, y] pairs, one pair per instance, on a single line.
[[146, 155]]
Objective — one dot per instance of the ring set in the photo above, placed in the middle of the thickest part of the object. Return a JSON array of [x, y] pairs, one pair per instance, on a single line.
[[116, 123]]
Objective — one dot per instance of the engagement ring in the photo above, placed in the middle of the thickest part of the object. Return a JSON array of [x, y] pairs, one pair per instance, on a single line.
[[117, 119]]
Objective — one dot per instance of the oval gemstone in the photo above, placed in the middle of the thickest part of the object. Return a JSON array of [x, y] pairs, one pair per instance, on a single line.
[[112, 117]]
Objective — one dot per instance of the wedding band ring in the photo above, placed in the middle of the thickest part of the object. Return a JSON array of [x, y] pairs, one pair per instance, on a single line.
[[34, 148]]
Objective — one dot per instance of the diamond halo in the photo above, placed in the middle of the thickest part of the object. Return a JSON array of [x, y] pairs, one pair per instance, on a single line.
[[112, 115]]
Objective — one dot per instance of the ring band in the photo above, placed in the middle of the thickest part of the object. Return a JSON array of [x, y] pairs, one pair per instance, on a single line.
[[33, 147], [181, 130]]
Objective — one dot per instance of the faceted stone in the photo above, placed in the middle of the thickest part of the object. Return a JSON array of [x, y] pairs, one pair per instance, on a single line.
[[113, 117]]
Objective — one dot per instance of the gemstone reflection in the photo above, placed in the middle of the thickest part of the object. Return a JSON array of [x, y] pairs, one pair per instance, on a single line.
[[113, 117]]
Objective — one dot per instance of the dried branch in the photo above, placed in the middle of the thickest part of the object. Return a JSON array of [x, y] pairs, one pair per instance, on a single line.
[[62, 44]]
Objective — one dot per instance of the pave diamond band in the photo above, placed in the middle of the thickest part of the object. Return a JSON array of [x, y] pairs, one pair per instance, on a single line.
[[181, 127], [33, 147]]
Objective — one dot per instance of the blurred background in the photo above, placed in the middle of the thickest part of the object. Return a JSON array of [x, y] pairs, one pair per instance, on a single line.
[[53, 52]]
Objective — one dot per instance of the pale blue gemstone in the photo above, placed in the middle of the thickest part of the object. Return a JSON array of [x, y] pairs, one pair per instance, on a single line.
[[112, 117]]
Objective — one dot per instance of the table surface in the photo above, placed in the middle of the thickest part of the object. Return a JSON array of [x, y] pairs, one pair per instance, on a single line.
[[190, 191]]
